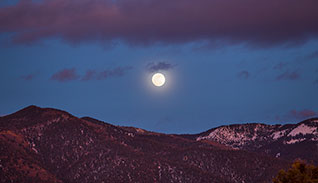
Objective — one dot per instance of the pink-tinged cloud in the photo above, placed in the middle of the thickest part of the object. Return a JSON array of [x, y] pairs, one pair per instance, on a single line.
[[297, 115], [243, 75], [28, 77], [288, 76], [144, 22], [303, 114], [105, 74], [280, 66], [313, 55], [65, 75], [89, 75]]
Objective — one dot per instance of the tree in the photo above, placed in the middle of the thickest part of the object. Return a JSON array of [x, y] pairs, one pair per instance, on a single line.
[[300, 172]]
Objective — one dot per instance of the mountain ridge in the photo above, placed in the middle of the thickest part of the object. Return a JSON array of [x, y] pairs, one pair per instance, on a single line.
[[41, 144]]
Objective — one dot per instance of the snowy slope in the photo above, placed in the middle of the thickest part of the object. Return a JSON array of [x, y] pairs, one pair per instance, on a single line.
[[290, 140], [238, 136]]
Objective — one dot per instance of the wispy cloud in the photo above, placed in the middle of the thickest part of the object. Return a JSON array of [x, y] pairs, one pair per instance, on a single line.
[[303, 114], [243, 75], [65, 75], [288, 76], [298, 115], [28, 77], [144, 22], [160, 66], [89, 75], [71, 74], [101, 75], [312, 55], [280, 66]]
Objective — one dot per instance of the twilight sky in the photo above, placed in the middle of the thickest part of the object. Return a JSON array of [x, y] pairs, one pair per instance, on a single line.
[[225, 61]]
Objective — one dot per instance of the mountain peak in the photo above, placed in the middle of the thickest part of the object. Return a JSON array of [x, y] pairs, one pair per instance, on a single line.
[[30, 108], [33, 115]]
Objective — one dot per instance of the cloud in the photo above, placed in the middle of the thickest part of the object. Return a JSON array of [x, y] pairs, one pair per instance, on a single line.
[[65, 75], [146, 22], [288, 76], [280, 66], [116, 72], [101, 75], [89, 75], [28, 77], [160, 66], [243, 75], [303, 114], [297, 115], [71, 75], [313, 55]]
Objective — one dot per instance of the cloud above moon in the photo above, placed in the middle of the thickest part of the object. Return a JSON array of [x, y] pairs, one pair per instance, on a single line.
[[147, 22], [159, 66]]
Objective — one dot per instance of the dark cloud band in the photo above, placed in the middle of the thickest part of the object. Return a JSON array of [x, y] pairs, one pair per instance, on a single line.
[[144, 22]]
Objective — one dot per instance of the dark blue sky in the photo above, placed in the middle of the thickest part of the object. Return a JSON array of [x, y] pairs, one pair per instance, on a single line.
[[96, 58]]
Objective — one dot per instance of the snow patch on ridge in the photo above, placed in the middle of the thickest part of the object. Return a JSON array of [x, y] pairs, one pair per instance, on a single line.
[[236, 136], [224, 135], [278, 134], [293, 141], [302, 129]]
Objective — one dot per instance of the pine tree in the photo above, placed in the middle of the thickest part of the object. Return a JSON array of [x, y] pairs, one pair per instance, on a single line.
[[300, 172]]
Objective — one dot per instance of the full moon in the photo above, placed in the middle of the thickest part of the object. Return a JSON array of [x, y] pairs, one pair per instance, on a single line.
[[158, 79]]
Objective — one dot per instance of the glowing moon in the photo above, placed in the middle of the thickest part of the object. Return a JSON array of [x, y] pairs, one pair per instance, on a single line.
[[158, 79]]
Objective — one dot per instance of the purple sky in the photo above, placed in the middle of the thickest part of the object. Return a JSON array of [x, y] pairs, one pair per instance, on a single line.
[[233, 61]]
